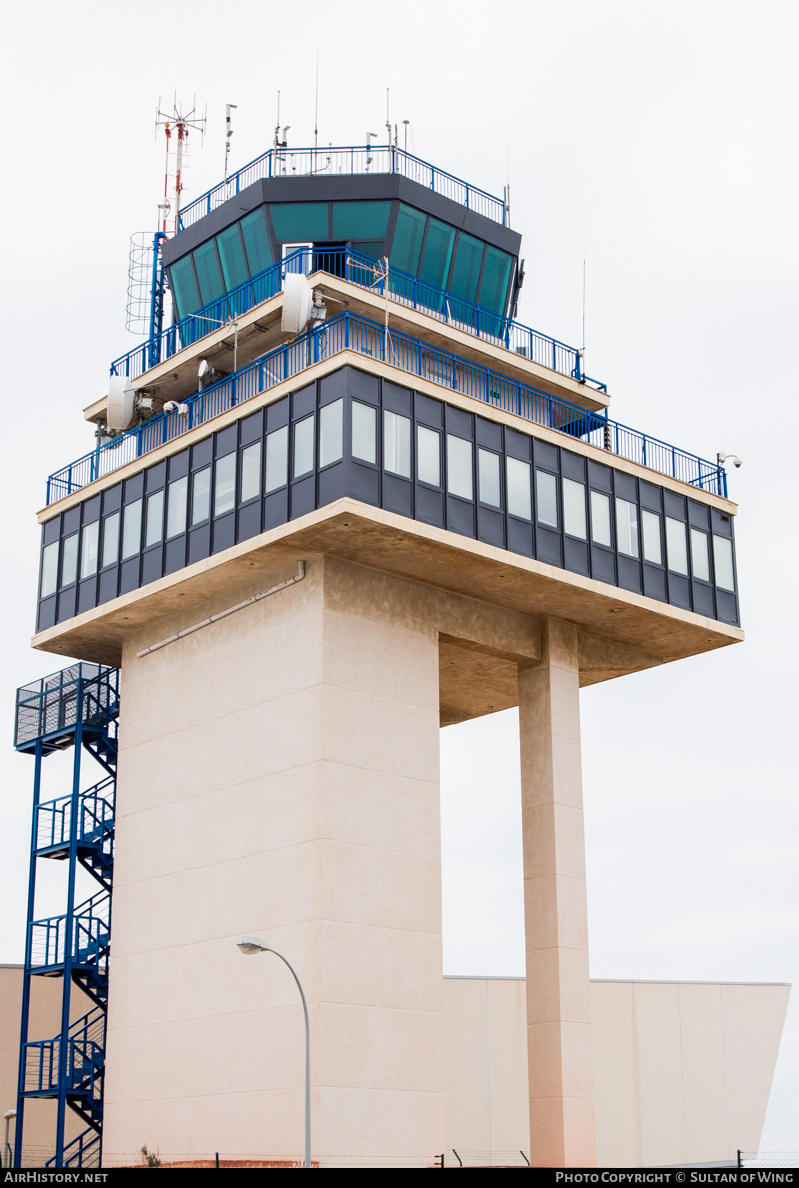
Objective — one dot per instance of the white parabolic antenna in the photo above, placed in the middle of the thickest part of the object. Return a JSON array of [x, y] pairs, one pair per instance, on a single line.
[[121, 402], [297, 303]]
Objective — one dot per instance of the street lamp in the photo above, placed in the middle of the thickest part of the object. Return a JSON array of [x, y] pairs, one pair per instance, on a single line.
[[254, 944], [6, 1161]]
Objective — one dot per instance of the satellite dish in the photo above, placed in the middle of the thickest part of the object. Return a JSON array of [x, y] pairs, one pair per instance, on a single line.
[[121, 403], [297, 303]]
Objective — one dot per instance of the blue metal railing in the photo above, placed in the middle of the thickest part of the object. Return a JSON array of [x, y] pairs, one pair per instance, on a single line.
[[352, 332], [85, 1057], [88, 945], [350, 159], [83, 1151], [95, 818], [360, 270], [50, 705]]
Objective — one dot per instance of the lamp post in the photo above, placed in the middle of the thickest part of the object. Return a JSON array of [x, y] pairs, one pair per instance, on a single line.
[[254, 944], [6, 1160]]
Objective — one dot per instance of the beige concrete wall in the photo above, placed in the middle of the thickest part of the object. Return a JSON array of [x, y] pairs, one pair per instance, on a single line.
[[682, 1071], [278, 775]]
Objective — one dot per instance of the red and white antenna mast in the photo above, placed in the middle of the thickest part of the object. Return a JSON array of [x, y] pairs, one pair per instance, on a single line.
[[177, 123]]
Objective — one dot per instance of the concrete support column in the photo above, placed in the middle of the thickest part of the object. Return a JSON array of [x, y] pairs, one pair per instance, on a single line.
[[558, 1009]]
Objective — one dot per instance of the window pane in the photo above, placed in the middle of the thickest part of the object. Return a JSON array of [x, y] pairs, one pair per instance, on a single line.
[[627, 527], [256, 242], [111, 539], [488, 463], [331, 433], [300, 222], [251, 472], [201, 496], [375, 249], [722, 557], [408, 235], [574, 508], [277, 459], [303, 447], [154, 529], [519, 493], [49, 569], [653, 551], [234, 266], [397, 446], [176, 506], [184, 286], [437, 253], [546, 492], [131, 530], [676, 550], [459, 467], [88, 549], [700, 561], [208, 275], [600, 519], [466, 272], [225, 485], [428, 456], [364, 432], [494, 285], [360, 220]]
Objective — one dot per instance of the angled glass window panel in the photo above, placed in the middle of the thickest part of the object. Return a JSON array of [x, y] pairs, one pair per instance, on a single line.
[[49, 570], [184, 286], [250, 472], [459, 467], [131, 530], [209, 275], [600, 519], [574, 509], [546, 494], [722, 560], [437, 253], [200, 495], [256, 241], [488, 474], [300, 222], [360, 220], [177, 501], [700, 560], [375, 249], [88, 549], [520, 495], [303, 447], [428, 456], [111, 539], [277, 459], [225, 485], [627, 527], [466, 270], [331, 433], [650, 528], [494, 285], [69, 560], [231, 253], [407, 242], [397, 444], [154, 524], [364, 432], [676, 549]]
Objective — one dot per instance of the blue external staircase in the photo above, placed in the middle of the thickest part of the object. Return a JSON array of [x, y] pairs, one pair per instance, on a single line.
[[77, 708]]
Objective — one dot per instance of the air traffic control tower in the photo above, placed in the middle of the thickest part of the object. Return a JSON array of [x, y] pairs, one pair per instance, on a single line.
[[343, 500]]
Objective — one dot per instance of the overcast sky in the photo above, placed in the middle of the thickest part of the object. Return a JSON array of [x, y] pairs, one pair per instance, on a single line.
[[658, 140]]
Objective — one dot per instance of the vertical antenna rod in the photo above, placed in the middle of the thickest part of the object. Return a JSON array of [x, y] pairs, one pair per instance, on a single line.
[[228, 132], [180, 123]]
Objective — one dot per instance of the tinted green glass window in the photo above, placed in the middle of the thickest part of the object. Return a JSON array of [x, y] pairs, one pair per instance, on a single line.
[[494, 285], [408, 235], [300, 222], [466, 271], [375, 249], [184, 286], [256, 241], [437, 253], [208, 273], [360, 220], [234, 266]]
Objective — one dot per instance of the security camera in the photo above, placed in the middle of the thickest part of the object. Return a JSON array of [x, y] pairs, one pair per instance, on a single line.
[[736, 461]]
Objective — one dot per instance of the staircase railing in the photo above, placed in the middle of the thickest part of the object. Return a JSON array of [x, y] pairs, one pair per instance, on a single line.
[[89, 940], [95, 817]]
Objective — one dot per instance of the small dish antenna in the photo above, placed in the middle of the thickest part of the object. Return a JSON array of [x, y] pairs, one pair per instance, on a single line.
[[121, 403], [297, 303]]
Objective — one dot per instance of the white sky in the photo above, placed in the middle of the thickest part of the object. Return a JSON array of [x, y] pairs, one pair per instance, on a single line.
[[664, 136]]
